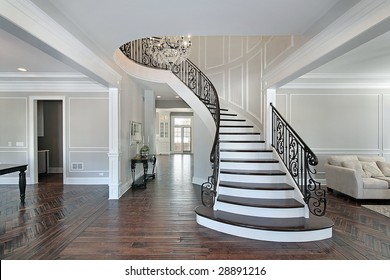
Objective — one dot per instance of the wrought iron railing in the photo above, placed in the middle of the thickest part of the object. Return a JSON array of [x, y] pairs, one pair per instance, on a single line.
[[300, 160], [202, 87]]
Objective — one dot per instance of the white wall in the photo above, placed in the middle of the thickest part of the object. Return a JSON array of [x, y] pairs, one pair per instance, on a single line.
[[234, 64], [131, 109], [339, 121], [202, 144], [86, 133]]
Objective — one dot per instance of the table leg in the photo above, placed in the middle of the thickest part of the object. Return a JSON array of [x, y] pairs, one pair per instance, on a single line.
[[133, 171], [22, 186], [145, 170]]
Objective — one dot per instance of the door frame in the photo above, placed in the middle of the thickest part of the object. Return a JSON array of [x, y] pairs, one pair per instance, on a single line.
[[172, 140], [33, 136]]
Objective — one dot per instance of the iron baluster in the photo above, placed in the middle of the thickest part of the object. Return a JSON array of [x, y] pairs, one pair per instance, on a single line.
[[201, 86], [299, 160]]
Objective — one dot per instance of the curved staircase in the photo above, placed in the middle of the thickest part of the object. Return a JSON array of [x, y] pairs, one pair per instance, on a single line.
[[251, 193], [255, 198]]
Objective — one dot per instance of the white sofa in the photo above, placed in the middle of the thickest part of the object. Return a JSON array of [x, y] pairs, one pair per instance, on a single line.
[[361, 177]]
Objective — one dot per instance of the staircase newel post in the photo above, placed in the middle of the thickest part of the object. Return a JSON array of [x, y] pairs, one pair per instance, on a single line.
[[270, 98]]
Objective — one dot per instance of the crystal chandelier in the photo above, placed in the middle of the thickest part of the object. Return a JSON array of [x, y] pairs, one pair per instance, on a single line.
[[169, 50]]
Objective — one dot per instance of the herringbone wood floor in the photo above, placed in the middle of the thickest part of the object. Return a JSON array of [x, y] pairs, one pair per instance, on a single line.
[[79, 222]]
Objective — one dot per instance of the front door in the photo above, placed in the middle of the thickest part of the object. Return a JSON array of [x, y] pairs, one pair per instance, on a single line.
[[182, 135]]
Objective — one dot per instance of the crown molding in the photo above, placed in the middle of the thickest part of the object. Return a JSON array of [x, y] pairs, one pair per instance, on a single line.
[[51, 86], [341, 81], [364, 20], [55, 39], [42, 75]]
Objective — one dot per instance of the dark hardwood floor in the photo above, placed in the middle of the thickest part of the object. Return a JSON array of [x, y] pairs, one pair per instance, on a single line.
[[79, 222]]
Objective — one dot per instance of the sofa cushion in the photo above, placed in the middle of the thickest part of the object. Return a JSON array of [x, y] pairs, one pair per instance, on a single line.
[[371, 169], [374, 183], [356, 165], [384, 167], [337, 160], [385, 179], [371, 158]]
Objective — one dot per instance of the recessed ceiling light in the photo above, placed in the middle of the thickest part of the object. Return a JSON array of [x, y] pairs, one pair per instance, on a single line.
[[158, 96], [21, 69], [177, 97]]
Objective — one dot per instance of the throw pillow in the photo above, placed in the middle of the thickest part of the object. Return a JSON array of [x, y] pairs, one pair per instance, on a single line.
[[384, 167], [371, 169], [356, 165], [371, 158]]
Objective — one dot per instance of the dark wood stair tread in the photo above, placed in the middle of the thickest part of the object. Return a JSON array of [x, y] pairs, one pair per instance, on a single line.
[[242, 141], [228, 114], [232, 120], [271, 224], [265, 160], [257, 186], [236, 126], [253, 172], [239, 133], [285, 203]]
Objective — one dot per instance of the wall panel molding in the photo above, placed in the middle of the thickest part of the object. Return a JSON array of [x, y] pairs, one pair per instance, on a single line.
[[236, 86], [275, 48]]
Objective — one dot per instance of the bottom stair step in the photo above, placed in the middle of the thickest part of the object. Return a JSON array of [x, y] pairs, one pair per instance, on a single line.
[[267, 229]]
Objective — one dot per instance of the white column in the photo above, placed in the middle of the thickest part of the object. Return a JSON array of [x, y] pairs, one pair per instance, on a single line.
[[150, 120], [270, 97], [114, 154]]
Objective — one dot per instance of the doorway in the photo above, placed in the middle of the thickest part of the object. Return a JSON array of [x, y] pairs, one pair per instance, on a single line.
[[50, 135], [181, 134], [47, 154]]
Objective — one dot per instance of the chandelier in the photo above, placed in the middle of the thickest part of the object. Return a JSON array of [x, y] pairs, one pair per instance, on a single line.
[[169, 50]]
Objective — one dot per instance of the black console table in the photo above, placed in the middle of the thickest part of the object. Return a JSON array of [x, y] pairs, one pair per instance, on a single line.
[[141, 182], [11, 168]]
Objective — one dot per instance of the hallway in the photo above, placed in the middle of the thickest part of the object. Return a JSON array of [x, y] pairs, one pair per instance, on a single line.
[[158, 222]]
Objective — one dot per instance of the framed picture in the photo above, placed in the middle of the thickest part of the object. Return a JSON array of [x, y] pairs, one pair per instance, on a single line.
[[135, 132]]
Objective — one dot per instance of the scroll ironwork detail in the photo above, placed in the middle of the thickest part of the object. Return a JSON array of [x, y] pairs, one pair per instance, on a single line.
[[300, 161], [201, 86]]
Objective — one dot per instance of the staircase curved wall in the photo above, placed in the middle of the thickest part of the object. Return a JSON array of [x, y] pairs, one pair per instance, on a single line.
[[167, 77]]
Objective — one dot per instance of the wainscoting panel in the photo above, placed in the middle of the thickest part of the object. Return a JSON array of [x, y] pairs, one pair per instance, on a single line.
[[88, 122], [88, 161], [254, 86], [236, 86], [215, 52], [236, 48], [218, 80], [386, 122], [342, 121], [252, 43], [276, 47], [13, 127]]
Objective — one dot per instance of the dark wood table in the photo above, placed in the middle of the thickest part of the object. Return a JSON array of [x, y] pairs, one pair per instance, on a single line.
[[21, 168], [141, 182]]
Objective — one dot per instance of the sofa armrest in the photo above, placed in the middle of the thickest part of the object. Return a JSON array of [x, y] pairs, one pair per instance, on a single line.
[[344, 180]]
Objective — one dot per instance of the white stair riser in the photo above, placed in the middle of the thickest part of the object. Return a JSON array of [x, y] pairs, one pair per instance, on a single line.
[[233, 122], [240, 137], [236, 129], [248, 166], [247, 146], [229, 117], [266, 235], [246, 155], [252, 178], [260, 212], [271, 194]]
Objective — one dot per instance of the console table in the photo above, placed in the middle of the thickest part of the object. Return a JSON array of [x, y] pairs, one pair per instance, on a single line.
[[11, 168], [141, 182]]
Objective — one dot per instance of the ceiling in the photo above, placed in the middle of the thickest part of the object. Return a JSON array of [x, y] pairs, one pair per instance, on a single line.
[[105, 25]]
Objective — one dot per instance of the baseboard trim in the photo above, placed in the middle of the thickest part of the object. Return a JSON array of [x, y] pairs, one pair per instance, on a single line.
[[198, 181]]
